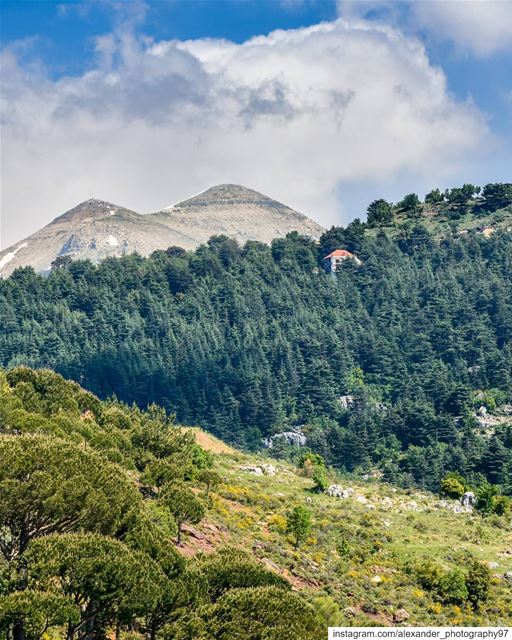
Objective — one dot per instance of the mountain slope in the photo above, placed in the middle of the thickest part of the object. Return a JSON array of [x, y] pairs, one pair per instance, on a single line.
[[378, 555], [237, 212], [96, 230], [381, 364], [93, 230]]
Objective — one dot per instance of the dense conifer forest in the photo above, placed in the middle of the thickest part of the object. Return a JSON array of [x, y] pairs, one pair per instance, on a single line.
[[250, 341]]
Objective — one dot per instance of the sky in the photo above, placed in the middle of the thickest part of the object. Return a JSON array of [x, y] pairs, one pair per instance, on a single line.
[[324, 105]]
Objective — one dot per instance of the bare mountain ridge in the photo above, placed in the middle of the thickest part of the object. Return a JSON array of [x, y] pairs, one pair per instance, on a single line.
[[96, 229]]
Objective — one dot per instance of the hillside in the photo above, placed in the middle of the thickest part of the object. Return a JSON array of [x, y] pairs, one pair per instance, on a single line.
[[377, 556], [360, 563], [384, 364], [95, 230], [457, 211]]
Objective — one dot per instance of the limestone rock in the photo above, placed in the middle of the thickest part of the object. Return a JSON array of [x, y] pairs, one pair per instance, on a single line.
[[269, 469], [401, 615], [337, 491], [252, 468], [468, 499]]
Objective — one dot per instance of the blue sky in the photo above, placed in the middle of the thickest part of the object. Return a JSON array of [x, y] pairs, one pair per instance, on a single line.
[[143, 103]]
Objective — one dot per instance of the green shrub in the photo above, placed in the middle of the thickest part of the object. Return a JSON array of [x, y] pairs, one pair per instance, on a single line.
[[315, 458], [478, 582], [452, 588], [429, 575], [486, 495], [502, 505], [449, 586], [298, 523], [320, 479], [257, 614], [452, 487], [231, 568]]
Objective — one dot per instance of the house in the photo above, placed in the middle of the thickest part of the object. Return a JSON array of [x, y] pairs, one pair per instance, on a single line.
[[335, 259]]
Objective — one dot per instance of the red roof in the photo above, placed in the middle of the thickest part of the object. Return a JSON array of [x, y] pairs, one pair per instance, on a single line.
[[340, 253]]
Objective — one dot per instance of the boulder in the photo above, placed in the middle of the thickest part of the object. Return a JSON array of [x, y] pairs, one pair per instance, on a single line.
[[269, 469], [347, 402], [508, 576], [376, 580], [294, 438], [192, 531], [412, 506], [468, 499], [337, 491], [401, 615], [271, 565], [251, 468]]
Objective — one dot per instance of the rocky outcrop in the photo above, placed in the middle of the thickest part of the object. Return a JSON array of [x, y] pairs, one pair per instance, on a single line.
[[294, 438], [401, 615], [468, 500], [264, 469], [336, 491]]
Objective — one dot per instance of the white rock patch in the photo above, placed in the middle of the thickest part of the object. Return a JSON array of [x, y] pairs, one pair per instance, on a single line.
[[9, 256]]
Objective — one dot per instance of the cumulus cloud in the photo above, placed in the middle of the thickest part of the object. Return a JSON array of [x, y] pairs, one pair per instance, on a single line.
[[479, 27], [483, 27], [296, 114]]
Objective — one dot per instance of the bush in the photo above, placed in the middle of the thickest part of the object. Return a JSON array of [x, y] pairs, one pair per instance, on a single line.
[[259, 613], [478, 582], [429, 575], [502, 505], [486, 496], [299, 524], [315, 458], [232, 568], [320, 479], [452, 487], [452, 588]]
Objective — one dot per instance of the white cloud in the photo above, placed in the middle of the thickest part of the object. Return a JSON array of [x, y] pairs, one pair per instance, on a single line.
[[483, 27], [480, 27], [294, 114]]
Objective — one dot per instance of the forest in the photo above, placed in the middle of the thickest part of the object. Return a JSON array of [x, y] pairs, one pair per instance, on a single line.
[[380, 365]]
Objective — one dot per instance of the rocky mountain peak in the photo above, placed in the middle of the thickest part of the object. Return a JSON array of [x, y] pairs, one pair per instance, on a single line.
[[228, 195], [95, 229], [91, 209]]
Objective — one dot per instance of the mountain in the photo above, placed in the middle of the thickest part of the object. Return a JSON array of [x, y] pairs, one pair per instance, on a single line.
[[237, 212], [93, 230], [96, 230]]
